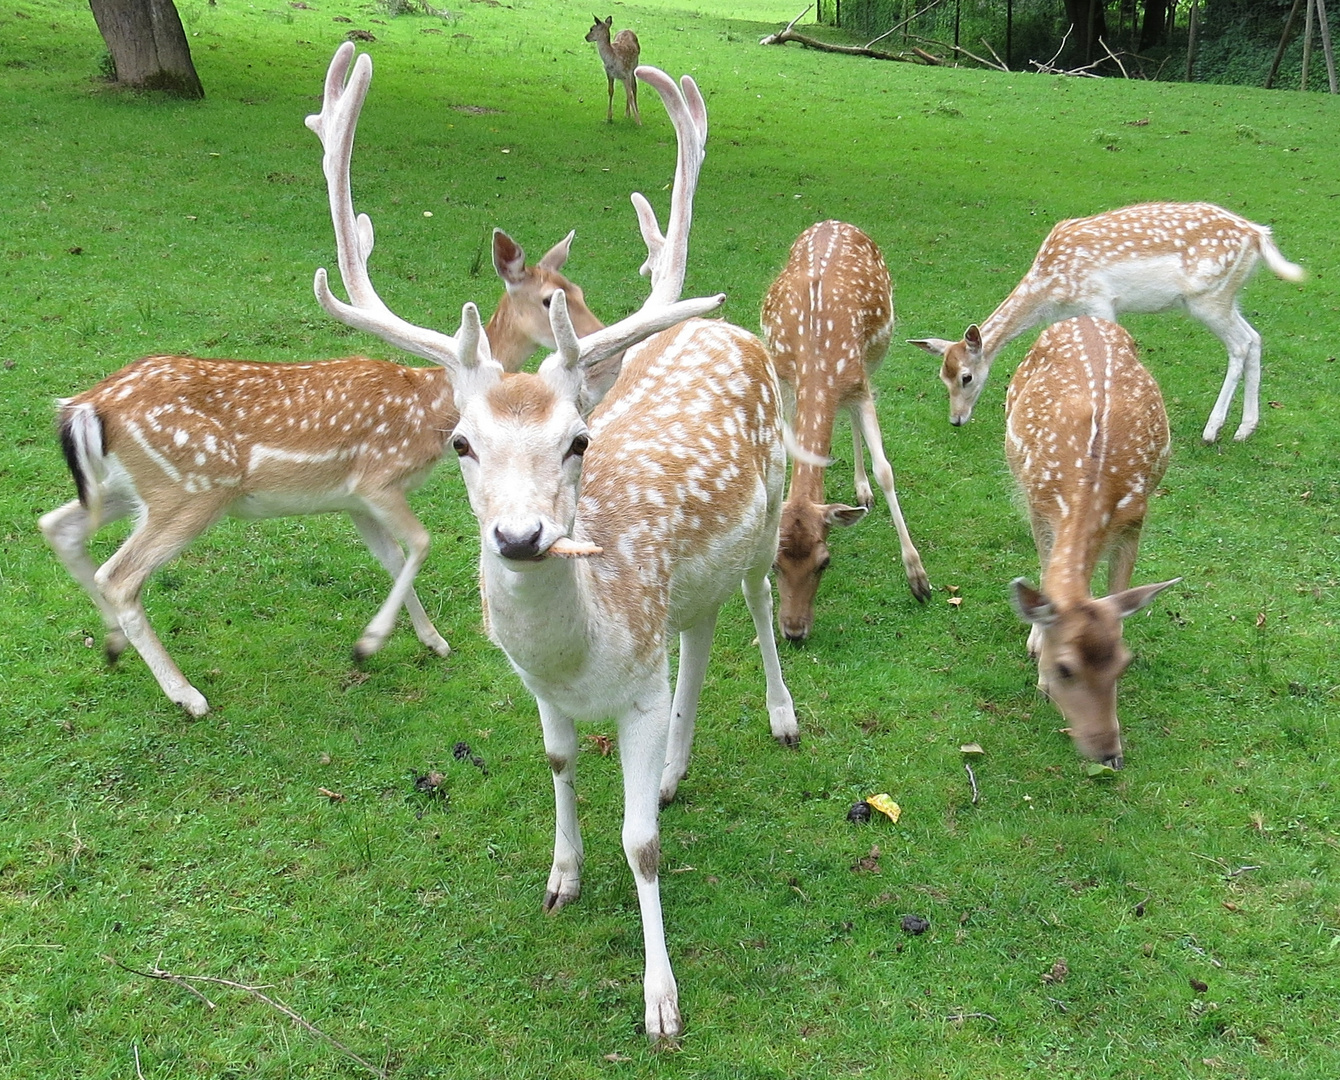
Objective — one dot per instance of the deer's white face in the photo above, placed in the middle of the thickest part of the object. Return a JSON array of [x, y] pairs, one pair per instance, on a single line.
[[521, 444]]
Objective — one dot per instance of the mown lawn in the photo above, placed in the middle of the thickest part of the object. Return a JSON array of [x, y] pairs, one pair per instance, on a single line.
[[1193, 902]]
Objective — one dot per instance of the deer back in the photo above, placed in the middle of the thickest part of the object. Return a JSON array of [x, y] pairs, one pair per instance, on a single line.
[[1087, 441], [270, 439], [682, 483]]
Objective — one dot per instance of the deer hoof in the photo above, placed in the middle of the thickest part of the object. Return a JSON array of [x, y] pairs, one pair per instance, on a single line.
[[192, 700]]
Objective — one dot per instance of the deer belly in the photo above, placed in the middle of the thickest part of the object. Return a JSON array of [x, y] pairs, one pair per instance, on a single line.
[[1142, 286]]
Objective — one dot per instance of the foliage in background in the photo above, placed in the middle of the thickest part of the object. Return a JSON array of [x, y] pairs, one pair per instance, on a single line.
[[1236, 39], [1181, 919]]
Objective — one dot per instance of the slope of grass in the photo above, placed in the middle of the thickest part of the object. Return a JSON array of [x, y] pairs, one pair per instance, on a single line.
[[407, 925]]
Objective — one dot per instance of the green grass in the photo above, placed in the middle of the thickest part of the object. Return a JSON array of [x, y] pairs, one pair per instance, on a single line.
[[408, 927]]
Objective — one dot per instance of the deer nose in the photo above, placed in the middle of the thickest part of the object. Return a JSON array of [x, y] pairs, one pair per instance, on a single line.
[[795, 631], [957, 421], [518, 543]]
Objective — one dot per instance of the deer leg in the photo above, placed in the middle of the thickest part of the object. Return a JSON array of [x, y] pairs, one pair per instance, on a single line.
[[383, 539], [865, 494], [560, 746], [159, 537], [1244, 354], [781, 709], [1043, 539], [863, 413], [1121, 562], [695, 648], [609, 112], [67, 530], [630, 104], [642, 745]]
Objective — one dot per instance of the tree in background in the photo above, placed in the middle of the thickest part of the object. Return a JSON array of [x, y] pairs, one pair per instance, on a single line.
[[148, 45], [1154, 26]]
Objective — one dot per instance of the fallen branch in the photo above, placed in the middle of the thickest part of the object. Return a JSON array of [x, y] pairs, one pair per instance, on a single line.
[[1003, 66], [960, 49], [771, 39], [1115, 58], [185, 982], [789, 34]]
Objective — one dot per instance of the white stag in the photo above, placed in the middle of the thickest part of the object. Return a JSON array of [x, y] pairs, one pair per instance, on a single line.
[[680, 475], [1145, 258]]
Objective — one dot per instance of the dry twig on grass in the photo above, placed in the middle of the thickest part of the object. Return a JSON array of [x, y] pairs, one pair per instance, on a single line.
[[185, 982]]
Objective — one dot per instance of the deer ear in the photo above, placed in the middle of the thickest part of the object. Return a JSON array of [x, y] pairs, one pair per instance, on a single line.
[[1031, 604], [509, 260], [609, 20], [1132, 600], [933, 345], [972, 337], [557, 255], [841, 515]]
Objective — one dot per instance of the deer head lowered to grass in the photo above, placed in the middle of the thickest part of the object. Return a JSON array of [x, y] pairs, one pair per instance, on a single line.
[[680, 465], [1086, 438], [826, 321], [179, 443], [1145, 258]]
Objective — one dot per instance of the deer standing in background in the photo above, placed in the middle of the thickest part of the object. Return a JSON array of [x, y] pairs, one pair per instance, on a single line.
[[680, 472], [1146, 258], [1087, 440], [619, 56], [826, 322], [180, 443]]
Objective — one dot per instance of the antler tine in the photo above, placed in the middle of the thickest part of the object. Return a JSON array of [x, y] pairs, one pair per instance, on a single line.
[[667, 254], [335, 126], [565, 334]]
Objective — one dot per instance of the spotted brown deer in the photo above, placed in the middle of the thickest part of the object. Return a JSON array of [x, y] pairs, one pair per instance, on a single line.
[[826, 321], [179, 443], [1087, 440], [619, 55], [680, 467], [1146, 258]]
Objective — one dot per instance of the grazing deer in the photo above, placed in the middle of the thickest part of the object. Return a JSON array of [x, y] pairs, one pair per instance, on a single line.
[[181, 442], [1087, 440], [680, 473], [1146, 258], [826, 321], [620, 59]]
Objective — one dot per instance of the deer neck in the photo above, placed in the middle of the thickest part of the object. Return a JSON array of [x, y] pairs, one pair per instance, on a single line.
[[510, 345], [1017, 314], [540, 615]]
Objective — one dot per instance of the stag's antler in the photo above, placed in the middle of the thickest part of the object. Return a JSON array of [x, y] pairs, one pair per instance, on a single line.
[[667, 255], [335, 126]]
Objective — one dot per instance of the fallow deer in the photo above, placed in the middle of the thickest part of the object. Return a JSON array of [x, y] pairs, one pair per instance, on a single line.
[[1087, 440], [619, 55], [180, 442], [680, 474], [1146, 258], [826, 322]]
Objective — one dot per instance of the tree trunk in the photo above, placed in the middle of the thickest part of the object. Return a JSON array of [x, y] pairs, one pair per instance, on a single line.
[[1154, 28], [148, 45], [1090, 23]]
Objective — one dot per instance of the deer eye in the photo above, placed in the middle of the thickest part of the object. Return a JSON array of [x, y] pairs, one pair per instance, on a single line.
[[1065, 672], [823, 564], [967, 378], [578, 447], [548, 300], [462, 446]]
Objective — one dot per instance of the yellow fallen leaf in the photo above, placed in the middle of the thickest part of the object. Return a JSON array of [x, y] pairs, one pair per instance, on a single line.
[[886, 806], [955, 601], [971, 748]]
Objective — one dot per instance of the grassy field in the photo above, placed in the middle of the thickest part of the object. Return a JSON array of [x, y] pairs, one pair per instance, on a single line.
[[1192, 903]]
